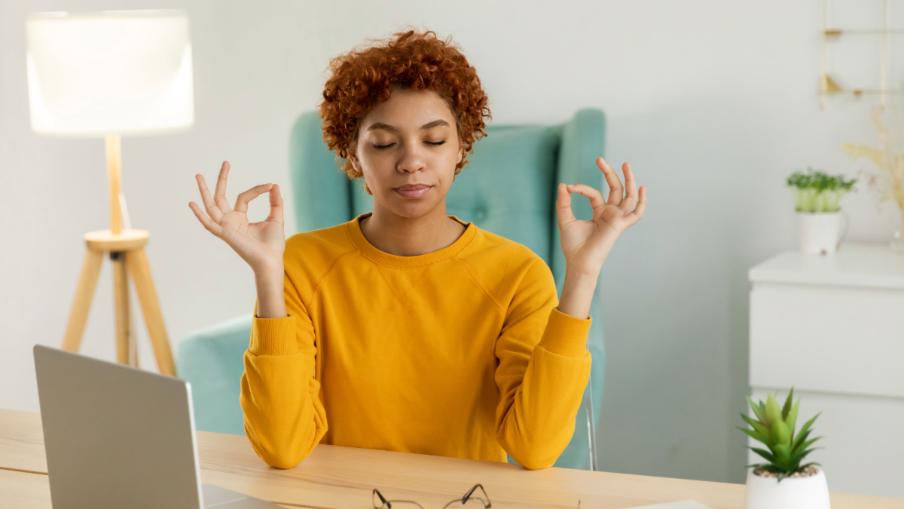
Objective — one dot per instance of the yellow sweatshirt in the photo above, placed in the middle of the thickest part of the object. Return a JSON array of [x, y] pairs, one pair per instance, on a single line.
[[457, 352]]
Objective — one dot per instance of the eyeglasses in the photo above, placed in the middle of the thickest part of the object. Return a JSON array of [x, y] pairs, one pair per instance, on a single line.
[[475, 497]]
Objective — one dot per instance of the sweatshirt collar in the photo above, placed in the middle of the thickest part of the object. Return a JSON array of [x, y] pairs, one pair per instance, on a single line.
[[383, 258]]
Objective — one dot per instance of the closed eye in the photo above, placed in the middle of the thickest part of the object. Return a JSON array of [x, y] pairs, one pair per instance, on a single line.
[[427, 142]]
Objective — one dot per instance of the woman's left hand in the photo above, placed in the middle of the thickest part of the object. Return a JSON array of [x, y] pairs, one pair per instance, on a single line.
[[587, 243]]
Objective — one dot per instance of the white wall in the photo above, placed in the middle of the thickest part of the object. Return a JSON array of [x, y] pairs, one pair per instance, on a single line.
[[712, 101]]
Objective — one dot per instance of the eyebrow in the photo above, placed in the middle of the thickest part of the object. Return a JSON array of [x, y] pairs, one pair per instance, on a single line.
[[428, 125]]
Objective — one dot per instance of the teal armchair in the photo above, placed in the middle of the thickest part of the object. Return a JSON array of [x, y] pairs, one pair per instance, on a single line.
[[508, 187]]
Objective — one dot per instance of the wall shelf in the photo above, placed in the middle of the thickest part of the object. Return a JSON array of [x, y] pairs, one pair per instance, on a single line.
[[829, 82]]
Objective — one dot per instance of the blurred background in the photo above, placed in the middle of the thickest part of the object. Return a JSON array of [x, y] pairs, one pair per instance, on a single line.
[[713, 102]]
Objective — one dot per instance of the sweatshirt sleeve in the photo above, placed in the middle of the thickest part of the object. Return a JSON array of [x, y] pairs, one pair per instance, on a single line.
[[543, 366], [284, 417]]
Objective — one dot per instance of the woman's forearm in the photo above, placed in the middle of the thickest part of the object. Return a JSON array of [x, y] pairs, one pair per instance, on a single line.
[[271, 303]]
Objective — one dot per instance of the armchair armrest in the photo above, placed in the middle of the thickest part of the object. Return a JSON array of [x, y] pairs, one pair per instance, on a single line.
[[211, 361]]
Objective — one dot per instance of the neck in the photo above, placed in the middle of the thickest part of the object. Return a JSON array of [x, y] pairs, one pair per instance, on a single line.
[[406, 236]]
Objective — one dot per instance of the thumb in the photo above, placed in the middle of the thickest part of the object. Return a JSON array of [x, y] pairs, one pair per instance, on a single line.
[[276, 205], [563, 205]]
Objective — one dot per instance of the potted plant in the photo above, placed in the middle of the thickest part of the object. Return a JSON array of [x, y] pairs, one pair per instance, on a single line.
[[783, 481], [817, 198]]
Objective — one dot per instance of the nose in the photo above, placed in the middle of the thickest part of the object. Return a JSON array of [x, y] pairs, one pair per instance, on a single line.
[[411, 159]]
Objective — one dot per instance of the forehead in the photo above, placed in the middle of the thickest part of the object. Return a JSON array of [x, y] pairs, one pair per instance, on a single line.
[[409, 110]]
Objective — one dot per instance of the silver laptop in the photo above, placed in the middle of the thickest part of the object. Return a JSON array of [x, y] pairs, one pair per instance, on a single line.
[[117, 437]]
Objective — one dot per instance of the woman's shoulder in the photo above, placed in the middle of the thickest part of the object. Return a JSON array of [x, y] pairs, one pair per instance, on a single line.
[[330, 235], [502, 262], [495, 247], [316, 250]]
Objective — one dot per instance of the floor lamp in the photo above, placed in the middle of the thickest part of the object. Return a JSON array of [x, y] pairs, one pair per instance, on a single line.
[[104, 75]]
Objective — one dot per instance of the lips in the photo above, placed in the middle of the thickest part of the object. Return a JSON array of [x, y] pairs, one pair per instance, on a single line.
[[415, 191]]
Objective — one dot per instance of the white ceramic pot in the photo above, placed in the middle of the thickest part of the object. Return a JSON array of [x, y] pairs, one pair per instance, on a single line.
[[791, 493], [821, 232]]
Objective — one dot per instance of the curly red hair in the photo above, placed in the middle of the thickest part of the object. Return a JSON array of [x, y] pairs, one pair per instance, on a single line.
[[361, 79]]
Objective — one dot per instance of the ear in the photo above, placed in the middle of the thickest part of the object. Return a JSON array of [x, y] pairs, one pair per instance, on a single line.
[[354, 162], [352, 157]]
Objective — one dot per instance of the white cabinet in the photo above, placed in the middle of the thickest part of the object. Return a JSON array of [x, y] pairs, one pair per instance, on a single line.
[[833, 328]]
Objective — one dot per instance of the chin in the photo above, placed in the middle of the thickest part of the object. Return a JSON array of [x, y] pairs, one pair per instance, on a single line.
[[411, 209]]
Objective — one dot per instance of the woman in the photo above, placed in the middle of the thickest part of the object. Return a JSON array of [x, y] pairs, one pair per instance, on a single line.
[[405, 328]]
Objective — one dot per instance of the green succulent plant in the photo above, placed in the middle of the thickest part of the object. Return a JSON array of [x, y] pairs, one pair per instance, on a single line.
[[774, 427], [815, 191]]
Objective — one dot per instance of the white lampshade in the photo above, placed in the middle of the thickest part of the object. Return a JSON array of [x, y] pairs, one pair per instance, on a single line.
[[109, 72]]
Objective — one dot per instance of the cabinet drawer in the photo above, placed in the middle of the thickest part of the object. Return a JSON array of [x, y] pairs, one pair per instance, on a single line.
[[827, 338]]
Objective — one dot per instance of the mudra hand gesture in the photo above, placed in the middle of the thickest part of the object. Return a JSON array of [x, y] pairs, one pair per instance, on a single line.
[[261, 244], [587, 243]]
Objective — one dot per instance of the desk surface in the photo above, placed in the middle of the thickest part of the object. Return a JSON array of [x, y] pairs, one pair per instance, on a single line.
[[336, 476]]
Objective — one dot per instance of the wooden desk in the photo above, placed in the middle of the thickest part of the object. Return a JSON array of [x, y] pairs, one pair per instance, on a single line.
[[343, 477]]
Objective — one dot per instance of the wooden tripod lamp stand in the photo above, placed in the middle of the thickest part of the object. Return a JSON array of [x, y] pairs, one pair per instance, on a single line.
[[103, 75]]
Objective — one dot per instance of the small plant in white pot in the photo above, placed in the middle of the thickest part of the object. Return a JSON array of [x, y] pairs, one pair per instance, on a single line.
[[783, 481], [817, 200]]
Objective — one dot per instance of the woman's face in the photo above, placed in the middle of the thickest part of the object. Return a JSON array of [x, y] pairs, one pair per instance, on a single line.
[[411, 139]]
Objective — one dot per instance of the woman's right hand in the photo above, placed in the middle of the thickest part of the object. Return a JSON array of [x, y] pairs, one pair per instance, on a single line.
[[260, 244]]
